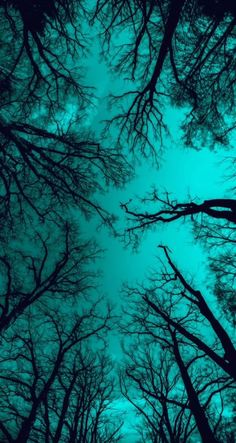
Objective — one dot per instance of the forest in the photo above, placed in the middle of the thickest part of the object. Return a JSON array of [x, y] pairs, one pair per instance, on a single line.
[[95, 95]]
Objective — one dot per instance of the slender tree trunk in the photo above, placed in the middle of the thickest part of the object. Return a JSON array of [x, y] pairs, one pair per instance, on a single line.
[[65, 406], [29, 421], [230, 351], [220, 361], [194, 403], [74, 429], [26, 427], [170, 27], [168, 424]]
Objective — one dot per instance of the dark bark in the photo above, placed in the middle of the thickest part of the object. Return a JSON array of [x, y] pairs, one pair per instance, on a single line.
[[220, 361], [170, 28], [194, 403], [64, 409], [198, 299], [221, 209]]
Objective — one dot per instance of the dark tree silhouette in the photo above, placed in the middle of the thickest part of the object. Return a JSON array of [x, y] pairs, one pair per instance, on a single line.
[[47, 158], [218, 208], [175, 392], [41, 168], [223, 267], [88, 417], [42, 363], [78, 404], [180, 51], [161, 403], [176, 328], [41, 40], [175, 303], [213, 223], [51, 272]]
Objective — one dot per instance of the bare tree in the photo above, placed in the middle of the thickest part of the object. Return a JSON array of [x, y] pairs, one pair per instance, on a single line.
[[48, 157], [42, 40], [41, 356], [79, 405], [175, 389], [179, 51], [52, 272], [174, 302], [173, 320], [213, 224], [41, 168], [169, 211], [158, 395]]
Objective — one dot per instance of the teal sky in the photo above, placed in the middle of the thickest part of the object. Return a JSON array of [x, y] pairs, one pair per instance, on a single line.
[[185, 173], [171, 58]]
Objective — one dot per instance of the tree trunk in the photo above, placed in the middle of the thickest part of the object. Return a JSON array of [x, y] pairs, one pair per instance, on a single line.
[[194, 404], [170, 27]]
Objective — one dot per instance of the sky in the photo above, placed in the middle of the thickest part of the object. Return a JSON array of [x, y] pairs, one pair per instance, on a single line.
[[186, 173], [182, 171]]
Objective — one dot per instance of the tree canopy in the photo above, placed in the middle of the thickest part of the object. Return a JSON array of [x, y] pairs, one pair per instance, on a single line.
[[59, 380]]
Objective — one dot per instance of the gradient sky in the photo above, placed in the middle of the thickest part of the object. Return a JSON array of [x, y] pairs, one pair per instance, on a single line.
[[183, 172]]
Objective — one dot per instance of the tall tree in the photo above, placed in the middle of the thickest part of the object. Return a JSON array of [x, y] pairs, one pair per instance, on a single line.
[[48, 157], [177, 51], [51, 272], [152, 386], [178, 395], [169, 211], [173, 320], [42, 354], [42, 39], [41, 168]]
